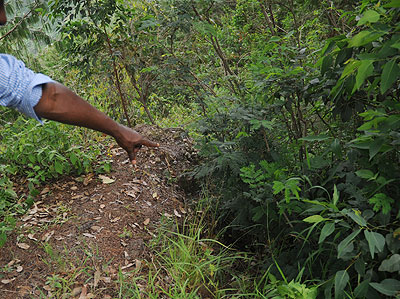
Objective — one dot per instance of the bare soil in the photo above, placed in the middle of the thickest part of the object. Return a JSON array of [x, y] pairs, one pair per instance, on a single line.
[[83, 230]]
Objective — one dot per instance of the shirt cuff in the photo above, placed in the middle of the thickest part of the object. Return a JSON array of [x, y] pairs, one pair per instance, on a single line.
[[26, 106]]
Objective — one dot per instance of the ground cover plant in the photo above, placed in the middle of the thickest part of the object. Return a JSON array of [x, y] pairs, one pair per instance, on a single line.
[[294, 106]]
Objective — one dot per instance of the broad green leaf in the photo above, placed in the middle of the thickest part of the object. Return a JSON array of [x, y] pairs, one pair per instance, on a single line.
[[357, 218], [326, 64], [388, 287], [370, 16], [328, 229], [365, 174], [59, 167], [73, 158], [342, 245], [314, 219], [365, 37], [396, 46], [394, 3], [375, 147], [390, 73], [316, 138], [364, 71], [362, 289], [376, 242], [341, 280], [359, 265], [391, 264], [350, 68]]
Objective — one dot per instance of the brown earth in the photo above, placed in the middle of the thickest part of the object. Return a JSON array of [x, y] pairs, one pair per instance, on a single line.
[[83, 230]]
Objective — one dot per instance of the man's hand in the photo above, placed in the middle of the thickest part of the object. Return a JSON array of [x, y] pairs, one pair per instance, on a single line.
[[132, 141], [61, 104]]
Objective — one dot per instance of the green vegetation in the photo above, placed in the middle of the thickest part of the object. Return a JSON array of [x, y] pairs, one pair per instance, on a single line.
[[295, 108]]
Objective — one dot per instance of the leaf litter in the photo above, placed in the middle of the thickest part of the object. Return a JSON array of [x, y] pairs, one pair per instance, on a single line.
[[110, 204]]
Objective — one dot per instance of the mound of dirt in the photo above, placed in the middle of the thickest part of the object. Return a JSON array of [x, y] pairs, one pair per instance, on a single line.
[[83, 230]]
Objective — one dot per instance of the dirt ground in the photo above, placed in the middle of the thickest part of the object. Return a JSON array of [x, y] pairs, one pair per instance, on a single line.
[[83, 230]]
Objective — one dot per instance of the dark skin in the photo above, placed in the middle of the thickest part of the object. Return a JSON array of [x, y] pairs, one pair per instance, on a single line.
[[61, 104]]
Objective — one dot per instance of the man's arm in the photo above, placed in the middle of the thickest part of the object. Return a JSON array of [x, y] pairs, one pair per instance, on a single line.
[[61, 104]]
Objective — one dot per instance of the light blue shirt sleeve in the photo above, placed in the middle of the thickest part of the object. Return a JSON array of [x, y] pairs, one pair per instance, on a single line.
[[20, 87]]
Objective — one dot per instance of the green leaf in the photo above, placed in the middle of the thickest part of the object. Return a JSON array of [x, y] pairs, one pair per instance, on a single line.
[[314, 219], [390, 73], [328, 229], [343, 245], [381, 202], [341, 280], [375, 147], [364, 71], [326, 64], [365, 174], [59, 167], [357, 218], [73, 158], [350, 68], [278, 187], [396, 46], [388, 287], [365, 37], [362, 289], [370, 16], [335, 195], [394, 3], [376, 242], [391, 264]]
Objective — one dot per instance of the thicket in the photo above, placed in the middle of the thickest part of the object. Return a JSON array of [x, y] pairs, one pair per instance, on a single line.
[[299, 128]]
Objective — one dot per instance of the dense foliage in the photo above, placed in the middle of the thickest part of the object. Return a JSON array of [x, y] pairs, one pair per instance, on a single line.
[[299, 129]]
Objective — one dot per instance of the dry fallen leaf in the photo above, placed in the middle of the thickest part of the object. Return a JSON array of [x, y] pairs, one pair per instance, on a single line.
[[47, 288], [127, 266], [167, 215], [138, 264], [7, 281], [87, 179], [89, 235], [31, 237], [146, 222], [106, 180], [96, 278], [84, 292], [155, 195], [20, 269], [23, 245], [45, 190], [106, 279], [177, 214], [76, 291], [96, 228], [47, 236], [115, 219], [131, 193], [102, 206], [74, 188]]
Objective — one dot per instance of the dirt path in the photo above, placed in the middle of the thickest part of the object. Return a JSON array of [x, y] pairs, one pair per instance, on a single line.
[[83, 230]]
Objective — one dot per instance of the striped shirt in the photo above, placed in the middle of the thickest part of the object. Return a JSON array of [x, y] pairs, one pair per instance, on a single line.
[[20, 88]]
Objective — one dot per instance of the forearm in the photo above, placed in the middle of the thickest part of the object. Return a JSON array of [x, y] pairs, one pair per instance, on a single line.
[[61, 104]]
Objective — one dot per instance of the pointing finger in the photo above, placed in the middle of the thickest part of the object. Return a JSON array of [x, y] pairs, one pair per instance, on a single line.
[[149, 143]]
